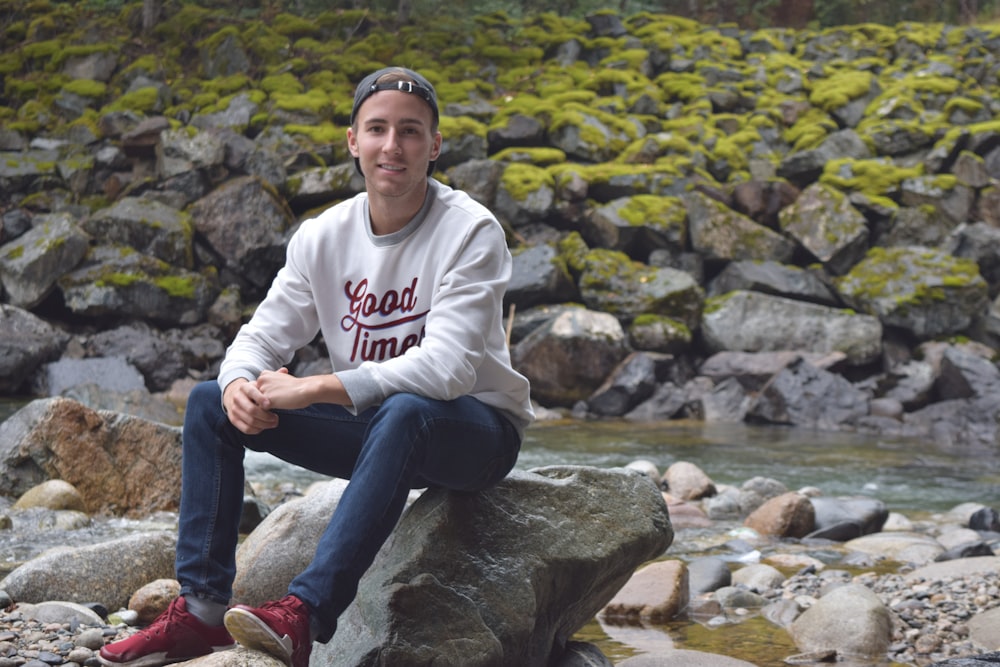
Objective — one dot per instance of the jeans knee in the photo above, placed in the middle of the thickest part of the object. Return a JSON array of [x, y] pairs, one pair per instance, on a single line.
[[206, 397]]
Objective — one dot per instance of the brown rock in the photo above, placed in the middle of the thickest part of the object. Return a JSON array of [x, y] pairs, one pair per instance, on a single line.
[[788, 515], [688, 482], [54, 494], [120, 464], [153, 599], [657, 592]]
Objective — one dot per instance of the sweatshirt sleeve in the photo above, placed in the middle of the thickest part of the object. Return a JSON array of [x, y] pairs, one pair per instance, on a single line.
[[462, 327], [285, 321]]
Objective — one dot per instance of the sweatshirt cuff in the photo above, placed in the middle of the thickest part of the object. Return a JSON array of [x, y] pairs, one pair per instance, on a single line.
[[361, 387]]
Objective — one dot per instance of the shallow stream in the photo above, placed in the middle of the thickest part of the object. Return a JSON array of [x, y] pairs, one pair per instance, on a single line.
[[914, 478]]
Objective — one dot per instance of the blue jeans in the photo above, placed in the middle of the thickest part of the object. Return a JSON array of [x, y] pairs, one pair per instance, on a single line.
[[408, 442]]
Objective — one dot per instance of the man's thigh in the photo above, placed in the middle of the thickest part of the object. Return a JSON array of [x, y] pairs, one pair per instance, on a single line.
[[324, 438]]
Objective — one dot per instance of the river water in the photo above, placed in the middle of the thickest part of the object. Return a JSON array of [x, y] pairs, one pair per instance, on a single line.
[[915, 478]]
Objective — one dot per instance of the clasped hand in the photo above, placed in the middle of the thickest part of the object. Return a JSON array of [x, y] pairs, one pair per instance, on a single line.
[[250, 404]]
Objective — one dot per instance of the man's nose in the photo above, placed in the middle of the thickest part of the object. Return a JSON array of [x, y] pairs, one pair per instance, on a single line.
[[391, 144]]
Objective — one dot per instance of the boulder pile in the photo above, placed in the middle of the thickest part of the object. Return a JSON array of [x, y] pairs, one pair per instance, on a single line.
[[789, 226]]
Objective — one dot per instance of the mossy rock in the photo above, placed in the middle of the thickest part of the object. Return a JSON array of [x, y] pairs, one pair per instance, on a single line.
[[638, 225], [120, 281], [656, 333], [925, 291], [525, 194], [611, 282], [878, 178]]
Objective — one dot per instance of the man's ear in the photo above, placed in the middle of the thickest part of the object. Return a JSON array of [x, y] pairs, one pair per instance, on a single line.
[[436, 149], [352, 142]]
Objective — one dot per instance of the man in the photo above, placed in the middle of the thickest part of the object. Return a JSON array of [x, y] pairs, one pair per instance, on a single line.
[[405, 283]]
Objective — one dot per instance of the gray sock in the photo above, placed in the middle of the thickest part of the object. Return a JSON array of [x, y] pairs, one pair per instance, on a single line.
[[314, 628], [207, 611]]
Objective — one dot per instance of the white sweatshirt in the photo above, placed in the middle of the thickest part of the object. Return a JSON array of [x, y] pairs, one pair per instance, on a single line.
[[417, 311]]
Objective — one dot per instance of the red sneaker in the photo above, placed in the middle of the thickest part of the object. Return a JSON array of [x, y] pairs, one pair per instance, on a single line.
[[175, 636], [280, 628]]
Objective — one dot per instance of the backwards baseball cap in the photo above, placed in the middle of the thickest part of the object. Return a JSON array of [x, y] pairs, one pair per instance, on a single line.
[[403, 80]]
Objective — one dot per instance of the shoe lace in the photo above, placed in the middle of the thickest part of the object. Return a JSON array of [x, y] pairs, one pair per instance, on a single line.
[[164, 620], [285, 609]]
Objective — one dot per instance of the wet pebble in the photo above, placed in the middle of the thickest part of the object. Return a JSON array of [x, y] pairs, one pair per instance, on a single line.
[[930, 619]]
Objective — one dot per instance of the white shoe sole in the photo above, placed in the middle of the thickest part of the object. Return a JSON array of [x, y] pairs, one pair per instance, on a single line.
[[252, 633]]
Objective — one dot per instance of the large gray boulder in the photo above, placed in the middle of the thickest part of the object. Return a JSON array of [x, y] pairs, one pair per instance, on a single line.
[[31, 264], [26, 342], [804, 395], [503, 577], [245, 222], [108, 572], [539, 276], [721, 234], [753, 322], [115, 280], [850, 619], [823, 222], [773, 278], [151, 227], [569, 356]]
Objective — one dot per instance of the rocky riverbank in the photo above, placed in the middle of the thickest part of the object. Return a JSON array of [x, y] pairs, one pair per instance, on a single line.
[[938, 611]]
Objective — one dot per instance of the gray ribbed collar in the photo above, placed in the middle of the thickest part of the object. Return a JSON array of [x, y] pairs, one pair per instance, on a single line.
[[399, 236]]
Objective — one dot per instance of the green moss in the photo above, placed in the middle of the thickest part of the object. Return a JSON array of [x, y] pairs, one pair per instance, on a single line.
[[148, 64], [734, 149], [906, 276], [652, 147], [963, 104], [541, 157], [576, 115], [226, 85], [321, 133], [114, 279], [10, 63], [682, 87], [520, 180], [45, 50], [295, 27], [452, 127], [143, 100], [284, 83], [840, 89], [810, 129], [20, 89], [176, 286], [654, 210], [716, 303], [15, 253], [315, 102], [86, 88], [268, 46], [876, 178], [573, 251]]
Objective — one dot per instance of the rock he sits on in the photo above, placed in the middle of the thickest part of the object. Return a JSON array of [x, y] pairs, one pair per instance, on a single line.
[[499, 578]]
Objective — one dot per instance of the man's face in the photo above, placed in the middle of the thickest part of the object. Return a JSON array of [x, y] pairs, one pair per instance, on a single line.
[[394, 142]]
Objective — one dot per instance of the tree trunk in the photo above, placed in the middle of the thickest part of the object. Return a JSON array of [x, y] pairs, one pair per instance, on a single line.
[[150, 15], [403, 12]]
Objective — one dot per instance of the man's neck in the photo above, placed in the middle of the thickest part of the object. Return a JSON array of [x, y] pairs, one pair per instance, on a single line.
[[390, 214]]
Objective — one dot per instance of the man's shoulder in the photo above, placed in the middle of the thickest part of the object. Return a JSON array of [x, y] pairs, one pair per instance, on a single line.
[[461, 202], [347, 209]]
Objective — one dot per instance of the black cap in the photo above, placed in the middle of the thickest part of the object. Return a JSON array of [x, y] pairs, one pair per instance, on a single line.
[[417, 85]]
